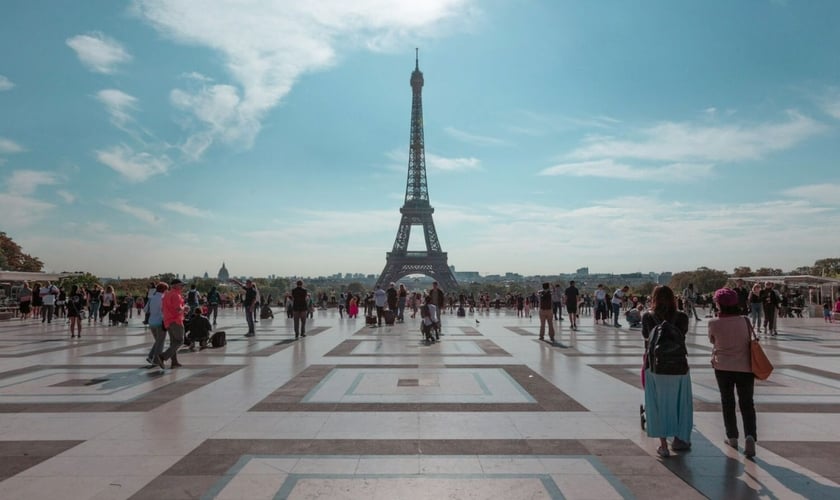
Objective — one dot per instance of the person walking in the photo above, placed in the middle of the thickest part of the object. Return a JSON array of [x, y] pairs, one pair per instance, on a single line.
[[25, 301], [689, 297], [731, 334], [770, 301], [173, 321], [154, 309], [48, 297], [668, 399], [619, 296], [546, 312], [402, 300], [572, 298], [75, 306], [300, 309], [213, 301], [94, 300], [755, 307], [380, 298]]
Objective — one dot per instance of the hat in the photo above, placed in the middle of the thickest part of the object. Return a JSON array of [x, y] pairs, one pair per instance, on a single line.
[[726, 297], [176, 281]]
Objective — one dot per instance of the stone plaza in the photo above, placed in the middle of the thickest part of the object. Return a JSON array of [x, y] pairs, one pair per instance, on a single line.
[[375, 413]]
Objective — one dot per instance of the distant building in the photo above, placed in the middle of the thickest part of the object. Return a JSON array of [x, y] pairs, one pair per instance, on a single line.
[[206, 275], [223, 276], [583, 271]]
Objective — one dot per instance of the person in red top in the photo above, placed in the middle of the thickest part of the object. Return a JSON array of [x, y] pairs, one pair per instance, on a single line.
[[173, 321]]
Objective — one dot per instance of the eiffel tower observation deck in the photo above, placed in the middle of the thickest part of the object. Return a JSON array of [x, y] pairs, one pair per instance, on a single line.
[[416, 210]]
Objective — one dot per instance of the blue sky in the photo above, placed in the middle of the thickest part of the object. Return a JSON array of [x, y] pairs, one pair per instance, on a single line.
[[156, 136]]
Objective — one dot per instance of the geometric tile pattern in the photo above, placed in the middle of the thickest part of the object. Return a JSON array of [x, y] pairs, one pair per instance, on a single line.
[[358, 412]]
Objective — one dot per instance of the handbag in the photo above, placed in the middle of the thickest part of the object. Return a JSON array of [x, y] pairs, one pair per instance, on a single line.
[[759, 364]]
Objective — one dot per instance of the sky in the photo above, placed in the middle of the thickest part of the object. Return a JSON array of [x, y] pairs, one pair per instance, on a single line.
[[155, 136]]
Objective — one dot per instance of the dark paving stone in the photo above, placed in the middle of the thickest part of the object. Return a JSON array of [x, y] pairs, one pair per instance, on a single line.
[[17, 456], [176, 488]]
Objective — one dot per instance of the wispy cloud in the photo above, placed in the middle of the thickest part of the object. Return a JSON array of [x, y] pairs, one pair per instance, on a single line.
[[609, 168], [22, 211], [265, 65], [441, 163], [23, 182], [6, 84], [830, 102], [7, 146], [99, 53], [118, 104], [184, 209], [136, 167], [478, 140], [67, 196], [690, 142], [138, 212], [820, 193]]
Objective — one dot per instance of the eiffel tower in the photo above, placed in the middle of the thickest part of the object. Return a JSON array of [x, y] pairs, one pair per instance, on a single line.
[[416, 210]]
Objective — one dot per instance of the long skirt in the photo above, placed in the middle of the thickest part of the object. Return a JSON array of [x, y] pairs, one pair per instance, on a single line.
[[668, 405]]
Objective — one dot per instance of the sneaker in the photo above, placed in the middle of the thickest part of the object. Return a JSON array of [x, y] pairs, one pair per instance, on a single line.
[[663, 452], [679, 445], [733, 442], [159, 361], [749, 447], [250, 334]]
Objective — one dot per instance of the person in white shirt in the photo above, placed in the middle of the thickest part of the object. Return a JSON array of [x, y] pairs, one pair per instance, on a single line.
[[617, 301], [48, 295]]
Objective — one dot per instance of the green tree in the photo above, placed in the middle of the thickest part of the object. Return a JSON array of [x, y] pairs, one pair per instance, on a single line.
[[827, 267], [769, 271], [742, 272], [12, 257], [86, 280], [705, 280]]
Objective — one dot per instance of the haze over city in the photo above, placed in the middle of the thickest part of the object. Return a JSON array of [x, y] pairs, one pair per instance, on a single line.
[[155, 136]]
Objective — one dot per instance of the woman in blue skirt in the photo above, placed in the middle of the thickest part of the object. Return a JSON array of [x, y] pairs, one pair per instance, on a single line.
[[668, 400]]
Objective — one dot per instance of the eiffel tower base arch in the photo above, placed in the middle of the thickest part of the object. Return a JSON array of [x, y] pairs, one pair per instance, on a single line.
[[431, 265]]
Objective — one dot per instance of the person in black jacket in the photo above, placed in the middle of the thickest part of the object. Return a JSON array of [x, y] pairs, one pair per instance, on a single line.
[[300, 308], [198, 330]]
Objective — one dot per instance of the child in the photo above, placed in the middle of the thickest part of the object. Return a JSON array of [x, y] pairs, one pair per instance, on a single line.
[[827, 312]]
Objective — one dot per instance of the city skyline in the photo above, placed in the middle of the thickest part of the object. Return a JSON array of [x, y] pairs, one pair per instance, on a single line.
[[273, 136]]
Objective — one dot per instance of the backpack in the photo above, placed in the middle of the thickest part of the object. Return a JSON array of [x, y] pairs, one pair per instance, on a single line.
[[191, 297], [666, 350]]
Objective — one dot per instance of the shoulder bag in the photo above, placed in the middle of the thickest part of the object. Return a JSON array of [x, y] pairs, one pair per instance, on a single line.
[[759, 364]]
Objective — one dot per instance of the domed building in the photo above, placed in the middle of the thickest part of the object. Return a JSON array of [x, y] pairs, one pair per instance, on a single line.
[[224, 276]]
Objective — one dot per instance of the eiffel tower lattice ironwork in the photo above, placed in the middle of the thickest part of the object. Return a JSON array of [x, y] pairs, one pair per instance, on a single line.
[[416, 211]]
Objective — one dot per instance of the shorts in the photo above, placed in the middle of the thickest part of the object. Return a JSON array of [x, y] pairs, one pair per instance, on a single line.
[[24, 307], [571, 308]]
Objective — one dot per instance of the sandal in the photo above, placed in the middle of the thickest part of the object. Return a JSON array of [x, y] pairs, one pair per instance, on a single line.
[[663, 452]]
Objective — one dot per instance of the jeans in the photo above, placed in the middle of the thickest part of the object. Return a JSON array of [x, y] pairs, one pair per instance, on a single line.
[[214, 310], [380, 311], [401, 308], [160, 338], [176, 340], [755, 314], [557, 308], [616, 310], [300, 322], [47, 313], [769, 318], [249, 317], [94, 311], [744, 382]]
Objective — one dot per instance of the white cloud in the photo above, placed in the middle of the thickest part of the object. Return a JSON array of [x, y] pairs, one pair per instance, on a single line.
[[689, 142], [67, 196], [184, 209], [820, 193], [435, 162], [479, 140], [118, 104], [136, 167], [23, 182], [609, 168], [267, 46], [830, 102], [22, 211], [7, 146], [138, 212], [6, 84], [98, 52]]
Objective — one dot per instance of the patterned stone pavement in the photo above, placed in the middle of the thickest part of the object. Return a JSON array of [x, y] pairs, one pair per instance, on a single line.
[[375, 413]]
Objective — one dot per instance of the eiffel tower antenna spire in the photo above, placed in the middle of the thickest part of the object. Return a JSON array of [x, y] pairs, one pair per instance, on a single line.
[[416, 211]]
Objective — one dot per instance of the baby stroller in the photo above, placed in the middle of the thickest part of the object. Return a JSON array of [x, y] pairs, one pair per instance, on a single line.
[[119, 315], [266, 312], [429, 323]]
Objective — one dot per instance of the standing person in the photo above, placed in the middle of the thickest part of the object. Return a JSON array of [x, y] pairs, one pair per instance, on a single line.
[[61, 303], [109, 301], [437, 297], [557, 302], [193, 298], [546, 311], [151, 290], [617, 300], [668, 400], [213, 300], [689, 296], [37, 301], [300, 308], [743, 296], [755, 306], [402, 300], [173, 321], [572, 298], [154, 309], [75, 306], [380, 298], [731, 333], [48, 294], [249, 302], [353, 307], [25, 301], [94, 300], [393, 298], [770, 301], [601, 305]]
